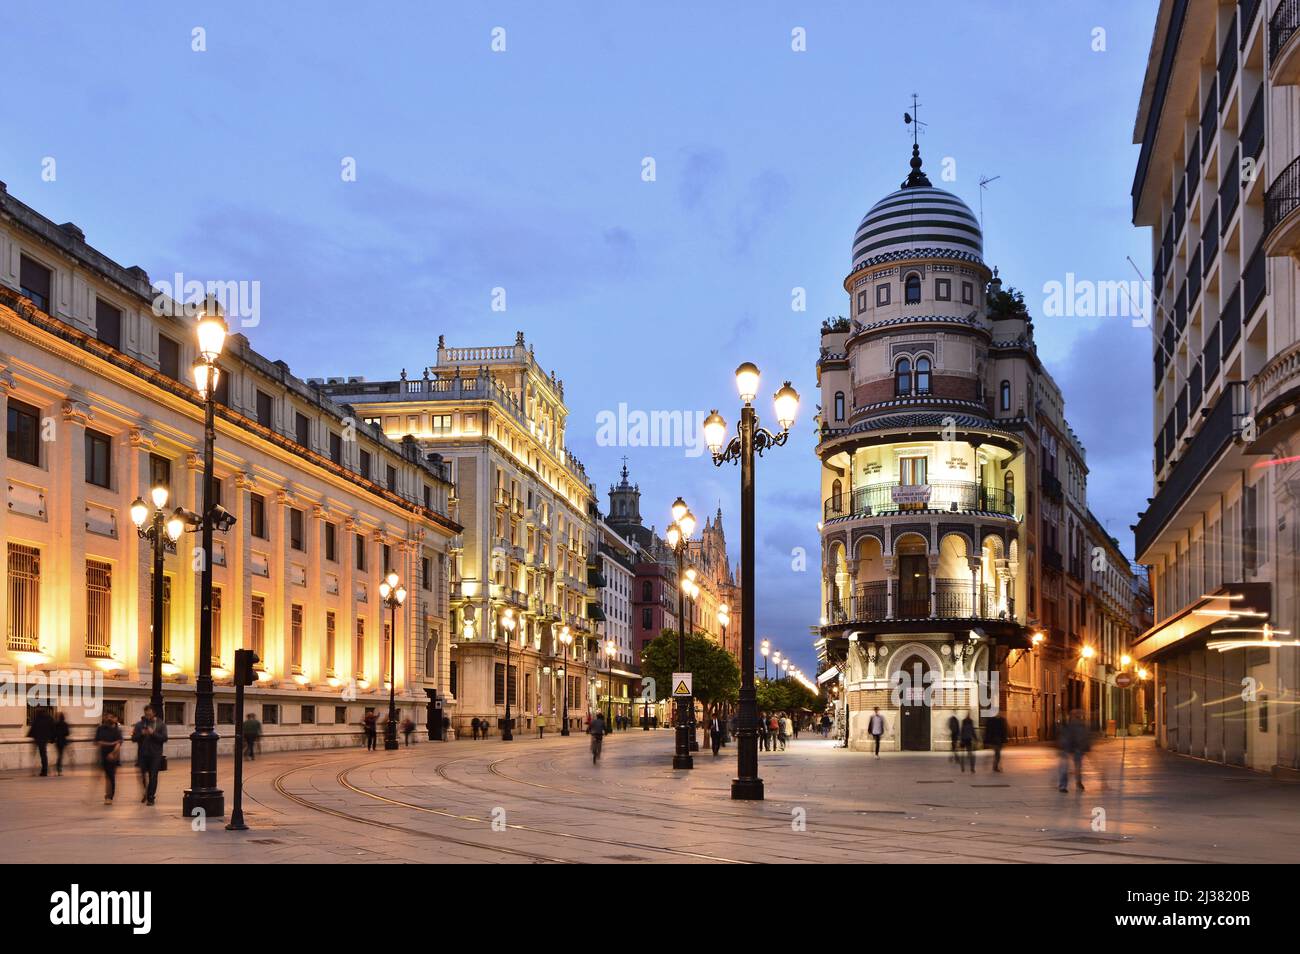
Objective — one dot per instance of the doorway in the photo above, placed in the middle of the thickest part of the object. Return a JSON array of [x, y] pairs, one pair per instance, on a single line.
[[913, 586], [914, 714]]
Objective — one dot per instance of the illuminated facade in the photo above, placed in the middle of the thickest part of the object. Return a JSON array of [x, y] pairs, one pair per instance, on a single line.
[[98, 412]]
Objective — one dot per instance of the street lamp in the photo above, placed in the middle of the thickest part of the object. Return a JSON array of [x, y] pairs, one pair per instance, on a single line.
[[393, 594], [508, 624], [749, 439], [203, 795], [765, 649], [679, 535], [610, 650], [566, 639], [159, 529]]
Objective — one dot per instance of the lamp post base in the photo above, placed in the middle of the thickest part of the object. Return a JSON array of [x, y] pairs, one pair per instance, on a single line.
[[747, 789], [507, 735], [211, 803], [683, 762]]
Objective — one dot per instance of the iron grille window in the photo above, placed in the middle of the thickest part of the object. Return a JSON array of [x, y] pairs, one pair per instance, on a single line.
[[331, 627], [270, 714], [295, 638], [24, 598], [359, 650], [499, 684], [308, 715], [257, 626], [340, 715], [216, 626], [99, 608], [23, 441], [166, 619]]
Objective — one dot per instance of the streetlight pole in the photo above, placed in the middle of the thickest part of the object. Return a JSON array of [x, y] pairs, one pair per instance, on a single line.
[[765, 649], [566, 639], [741, 448], [508, 623], [393, 594], [679, 534], [159, 529], [203, 796]]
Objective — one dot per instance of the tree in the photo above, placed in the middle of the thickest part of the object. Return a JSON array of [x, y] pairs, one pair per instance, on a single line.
[[786, 695], [714, 671], [1008, 304]]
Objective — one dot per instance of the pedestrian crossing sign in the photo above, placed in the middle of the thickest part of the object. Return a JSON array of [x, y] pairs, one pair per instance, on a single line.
[[681, 684]]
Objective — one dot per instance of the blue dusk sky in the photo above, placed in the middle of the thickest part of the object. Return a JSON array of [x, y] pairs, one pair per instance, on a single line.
[[522, 169]]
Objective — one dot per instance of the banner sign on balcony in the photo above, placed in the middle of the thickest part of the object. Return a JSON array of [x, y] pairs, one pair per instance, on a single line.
[[911, 494]]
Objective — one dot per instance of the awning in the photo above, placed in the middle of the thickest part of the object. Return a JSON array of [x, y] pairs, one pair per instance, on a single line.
[[594, 612], [1190, 628], [828, 675]]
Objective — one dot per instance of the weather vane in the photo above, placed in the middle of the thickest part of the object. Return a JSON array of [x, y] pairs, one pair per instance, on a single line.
[[912, 120]]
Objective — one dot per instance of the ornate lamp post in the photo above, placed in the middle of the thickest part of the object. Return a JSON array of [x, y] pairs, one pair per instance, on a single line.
[[203, 795], [508, 622], [679, 535], [610, 650], [566, 640], [765, 649], [750, 438], [692, 590], [393, 594], [724, 618], [159, 529]]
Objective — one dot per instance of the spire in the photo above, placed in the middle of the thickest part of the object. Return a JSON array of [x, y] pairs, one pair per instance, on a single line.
[[916, 177]]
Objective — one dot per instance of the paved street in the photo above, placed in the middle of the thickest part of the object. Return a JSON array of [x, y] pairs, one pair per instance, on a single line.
[[531, 801]]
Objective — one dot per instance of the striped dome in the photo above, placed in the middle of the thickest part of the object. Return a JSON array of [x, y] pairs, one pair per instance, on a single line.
[[917, 217]]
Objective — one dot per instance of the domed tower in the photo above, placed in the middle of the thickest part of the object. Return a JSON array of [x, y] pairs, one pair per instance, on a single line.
[[921, 530]]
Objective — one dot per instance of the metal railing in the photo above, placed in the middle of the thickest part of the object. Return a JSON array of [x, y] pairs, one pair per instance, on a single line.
[[1283, 195], [953, 599], [946, 495], [1282, 25]]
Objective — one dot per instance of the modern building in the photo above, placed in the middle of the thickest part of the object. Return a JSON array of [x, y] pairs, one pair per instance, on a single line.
[[100, 410], [526, 573], [619, 686], [1218, 184]]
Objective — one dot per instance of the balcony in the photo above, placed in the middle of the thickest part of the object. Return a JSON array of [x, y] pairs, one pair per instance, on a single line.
[[1052, 559], [1281, 219], [1283, 50], [953, 599], [1051, 485], [949, 496]]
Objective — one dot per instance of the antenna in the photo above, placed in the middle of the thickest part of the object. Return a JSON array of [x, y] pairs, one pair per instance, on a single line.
[[912, 119], [984, 184]]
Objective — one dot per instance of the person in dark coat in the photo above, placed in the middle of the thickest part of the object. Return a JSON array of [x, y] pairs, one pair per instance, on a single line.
[[473, 725], [150, 737], [1074, 743], [716, 727], [995, 736], [407, 728], [371, 726], [42, 733], [108, 740], [954, 730], [967, 738], [62, 733]]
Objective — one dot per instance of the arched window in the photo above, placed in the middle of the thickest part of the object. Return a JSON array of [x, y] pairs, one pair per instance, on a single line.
[[837, 490], [1009, 485], [1004, 396], [645, 591], [922, 375], [839, 405], [903, 376], [912, 289]]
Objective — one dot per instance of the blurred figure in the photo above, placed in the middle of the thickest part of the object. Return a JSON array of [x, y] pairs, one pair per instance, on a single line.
[[995, 736], [62, 732], [785, 729], [371, 726], [596, 729], [826, 726], [108, 740], [41, 732], [967, 753], [762, 732], [954, 731], [252, 732], [473, 726], [150, 737], [541, 726], [875, 727], [407, 728], [716, 729], [1073, 743]]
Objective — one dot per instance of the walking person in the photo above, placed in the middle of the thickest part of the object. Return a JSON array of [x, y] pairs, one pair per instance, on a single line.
[[371, 726], [1073, 744], [41, 733], [596, 729], [62, 732], [252, 732], [995, 736], [783, 730], [716, 728], [541, 726], [150, 738], [473, 727], [761, 729], [875, 727], [826, 725], [108, 740], [954, 731], [407, 728], [967, 754]]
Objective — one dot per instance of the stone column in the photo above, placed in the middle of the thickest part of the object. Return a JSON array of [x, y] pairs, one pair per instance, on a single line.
[[891, 584], [932, 561], [7, 384], [67, 495]]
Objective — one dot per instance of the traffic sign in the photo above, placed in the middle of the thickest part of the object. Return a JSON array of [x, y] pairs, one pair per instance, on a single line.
[[681, 684], [1123, 679]]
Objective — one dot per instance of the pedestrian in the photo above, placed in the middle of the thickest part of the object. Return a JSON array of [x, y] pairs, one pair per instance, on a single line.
[[995, 736], [774, 731], [1073, 744], [150, 738], [41, 733], [715, 732], [761, 729], [826, 726], [794, 725], [252, 732], [473, 725], [371, 726], [62, 732], [875, 727], [596, 729], [967, 753], [541, 726], [784, 728], [446, 728], [407, 728], [108, 740], [954, 731]]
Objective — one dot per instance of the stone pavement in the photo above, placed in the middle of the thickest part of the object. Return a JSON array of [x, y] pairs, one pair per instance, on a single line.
[[531, 801]]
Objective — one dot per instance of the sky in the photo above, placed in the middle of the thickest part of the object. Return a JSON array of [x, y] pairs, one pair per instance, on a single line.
[[648, 183]]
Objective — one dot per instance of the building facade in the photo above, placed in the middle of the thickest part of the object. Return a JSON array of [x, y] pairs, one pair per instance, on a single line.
[[528, 554], [99, 411], [1216, 182]]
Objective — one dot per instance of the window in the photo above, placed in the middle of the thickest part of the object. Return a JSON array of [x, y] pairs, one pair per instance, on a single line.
[[365, 464], [426, 573], [99, 608], [912, 289], [99, 458], [24, 434], [225, 713], [922, 375], [646, 591], [645, 618], [967, 293], [1004, 395], [331, 543], [862, 301], [912, 471], [169, 357], [428, 497], [216, 626], [839, 405], [392, 478], [331, 630], [295, 638], [302, 429], [336, 448], [903, 377], [35, 281], [174, 713], [295, 530], [451, 681], [257, 516], [222, 394], [108, 324], [308, 715], [359, 650], [387, 554], [166, 618], [24, 598], [837, 489], [264, 408], [160, 472], [882, 295], [943, 289], [270, 714], [340, 715], [1009, 485], [360, 547], [440, 423], [257, 628], [499, 685]]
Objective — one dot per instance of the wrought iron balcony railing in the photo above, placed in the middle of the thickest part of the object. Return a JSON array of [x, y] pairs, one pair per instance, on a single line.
[[947, 495]]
